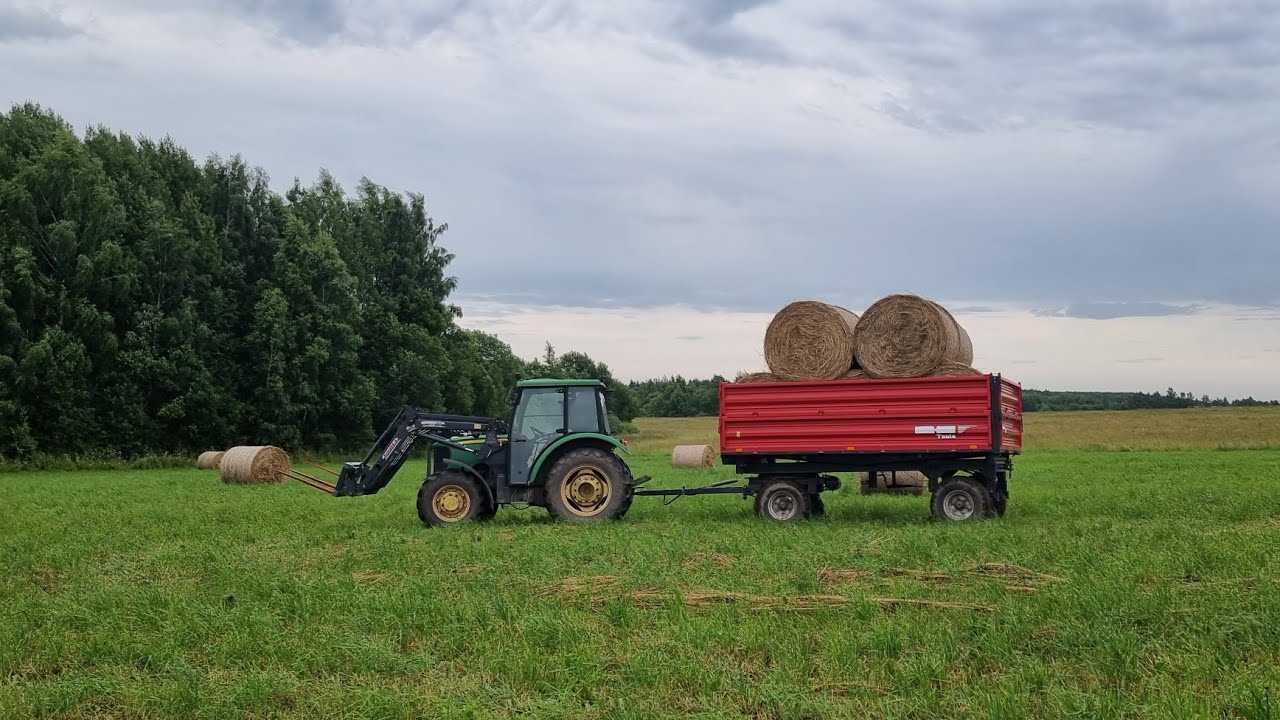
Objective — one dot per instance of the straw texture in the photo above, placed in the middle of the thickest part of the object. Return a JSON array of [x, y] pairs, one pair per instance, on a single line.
[[253, 464], [810, 340], [209, 459], [693, 456]]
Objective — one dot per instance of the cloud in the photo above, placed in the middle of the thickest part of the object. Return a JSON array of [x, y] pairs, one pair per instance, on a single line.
[[32, 23], [1141, 360], [992, 153], [1113, 310]]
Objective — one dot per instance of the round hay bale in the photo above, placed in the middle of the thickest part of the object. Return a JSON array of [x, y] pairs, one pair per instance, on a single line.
[[955, 369], [908, 336], [209, 459], [900, 482], [809, 340], [253, 464], [757, 377], [693, 456]]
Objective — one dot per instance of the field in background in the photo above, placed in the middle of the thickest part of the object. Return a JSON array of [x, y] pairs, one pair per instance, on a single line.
[[164, 593], [1195, 428]]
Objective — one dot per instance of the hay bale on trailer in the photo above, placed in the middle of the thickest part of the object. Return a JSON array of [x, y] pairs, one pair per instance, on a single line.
[[757, 377], [209, 459], [254, 464], [909, 336], [955, 369], [810, 340], [693, 456]]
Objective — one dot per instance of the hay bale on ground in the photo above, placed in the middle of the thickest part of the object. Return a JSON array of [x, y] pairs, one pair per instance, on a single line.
[[909, 336], [209, 459], [894, 482], [757, 377], [254, 464], [693, 456], [809, 340]]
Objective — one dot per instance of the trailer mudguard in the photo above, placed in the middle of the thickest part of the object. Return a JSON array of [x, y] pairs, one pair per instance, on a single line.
[[570, 439]]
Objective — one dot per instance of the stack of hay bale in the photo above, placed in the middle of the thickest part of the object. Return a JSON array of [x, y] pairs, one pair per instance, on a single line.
[[899, 336]]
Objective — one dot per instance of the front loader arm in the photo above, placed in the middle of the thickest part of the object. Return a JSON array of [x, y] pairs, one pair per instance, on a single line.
[[392, 447]]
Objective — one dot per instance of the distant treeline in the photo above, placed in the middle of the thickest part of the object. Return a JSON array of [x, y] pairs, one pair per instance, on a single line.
[[1049, 400], [678, 397]]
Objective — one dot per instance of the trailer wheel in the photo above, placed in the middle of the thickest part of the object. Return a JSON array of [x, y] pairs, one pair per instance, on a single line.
[[961, 499], [451, 497], [782, 501], [588, 484]]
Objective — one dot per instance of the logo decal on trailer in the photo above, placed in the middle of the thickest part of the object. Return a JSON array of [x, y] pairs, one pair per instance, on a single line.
[[942, 432]]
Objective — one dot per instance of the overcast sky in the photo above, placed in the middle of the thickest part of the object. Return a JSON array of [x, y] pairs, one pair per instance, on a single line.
[[1092, 185]]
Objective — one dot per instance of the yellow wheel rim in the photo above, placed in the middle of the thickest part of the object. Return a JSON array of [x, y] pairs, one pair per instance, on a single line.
[[451, 503], [586, 491]]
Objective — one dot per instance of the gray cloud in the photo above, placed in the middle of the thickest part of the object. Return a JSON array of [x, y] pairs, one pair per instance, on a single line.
[[31, 23], [1113, 310], [1029, 152], [306, 21]]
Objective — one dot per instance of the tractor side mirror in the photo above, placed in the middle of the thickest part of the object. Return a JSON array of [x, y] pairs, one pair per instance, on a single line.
[[512, 394]]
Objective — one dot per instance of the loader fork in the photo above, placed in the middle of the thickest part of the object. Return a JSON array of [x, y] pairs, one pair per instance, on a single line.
[[311, 480]]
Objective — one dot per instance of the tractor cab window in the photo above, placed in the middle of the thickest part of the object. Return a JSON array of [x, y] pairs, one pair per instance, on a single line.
[[583, 415], [541, 412]]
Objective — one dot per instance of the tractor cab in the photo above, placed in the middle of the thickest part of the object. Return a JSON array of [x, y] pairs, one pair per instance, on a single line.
[[547, 413]]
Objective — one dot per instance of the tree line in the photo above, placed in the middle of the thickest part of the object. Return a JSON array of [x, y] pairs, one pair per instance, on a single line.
[[150, 304]]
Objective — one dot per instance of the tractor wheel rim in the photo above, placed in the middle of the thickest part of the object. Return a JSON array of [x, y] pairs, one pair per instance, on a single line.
[[958, 506], [451, 503], [782, 506], [586, 492]]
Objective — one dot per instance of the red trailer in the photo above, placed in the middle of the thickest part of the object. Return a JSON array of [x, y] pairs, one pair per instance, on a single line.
[[961, 432]]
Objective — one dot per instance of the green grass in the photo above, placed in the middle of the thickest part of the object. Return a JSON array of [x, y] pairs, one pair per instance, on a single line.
[[163, 593]]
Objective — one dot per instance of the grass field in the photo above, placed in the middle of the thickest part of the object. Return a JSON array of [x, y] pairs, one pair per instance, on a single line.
[[163, 593]]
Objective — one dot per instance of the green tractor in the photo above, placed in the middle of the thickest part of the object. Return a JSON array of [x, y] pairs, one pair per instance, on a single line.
[[555, 451]]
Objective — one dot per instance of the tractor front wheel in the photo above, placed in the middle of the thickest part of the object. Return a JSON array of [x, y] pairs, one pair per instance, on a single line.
[[451, 497], [588, 484]]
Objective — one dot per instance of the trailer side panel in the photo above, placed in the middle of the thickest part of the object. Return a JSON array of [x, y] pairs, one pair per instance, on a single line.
[[935, 414]]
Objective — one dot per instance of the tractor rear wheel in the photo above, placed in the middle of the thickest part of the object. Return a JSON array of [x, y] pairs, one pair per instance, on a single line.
[[588, 484], [450, 497]]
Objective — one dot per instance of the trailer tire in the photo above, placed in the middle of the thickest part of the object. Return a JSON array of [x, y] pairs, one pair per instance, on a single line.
[[783, 501], [961, 499], [588, 484], [451, 497]]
